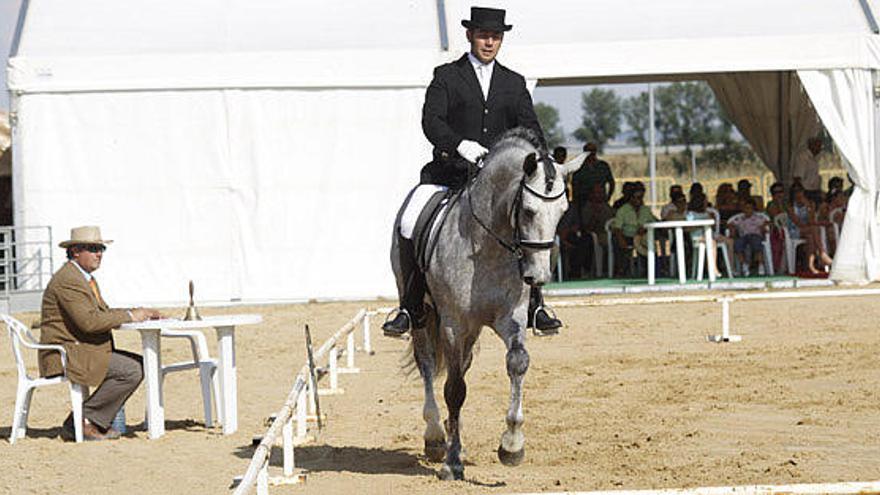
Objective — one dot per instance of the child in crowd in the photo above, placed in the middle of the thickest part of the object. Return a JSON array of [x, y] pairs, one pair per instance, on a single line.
[[749, 229]]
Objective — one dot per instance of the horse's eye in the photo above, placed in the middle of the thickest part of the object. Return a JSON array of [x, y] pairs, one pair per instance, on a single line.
[[528, 214]]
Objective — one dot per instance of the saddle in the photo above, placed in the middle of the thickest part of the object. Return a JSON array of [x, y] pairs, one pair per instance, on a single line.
[[424, 214]]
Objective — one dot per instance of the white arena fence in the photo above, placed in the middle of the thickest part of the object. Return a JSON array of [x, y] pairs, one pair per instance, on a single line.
[[300, 405], [292, 421]]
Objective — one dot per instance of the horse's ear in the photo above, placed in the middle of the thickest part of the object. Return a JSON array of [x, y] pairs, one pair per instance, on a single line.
[[530, 164]]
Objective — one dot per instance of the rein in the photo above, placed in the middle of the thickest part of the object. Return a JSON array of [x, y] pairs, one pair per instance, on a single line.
[[515, 246]]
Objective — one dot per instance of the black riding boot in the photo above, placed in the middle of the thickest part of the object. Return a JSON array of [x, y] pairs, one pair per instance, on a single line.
[[412, 300], [538, 316]]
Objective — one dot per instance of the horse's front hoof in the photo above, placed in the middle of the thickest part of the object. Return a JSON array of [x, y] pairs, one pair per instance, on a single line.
[[435, 450], [451, 473], [511, 458]]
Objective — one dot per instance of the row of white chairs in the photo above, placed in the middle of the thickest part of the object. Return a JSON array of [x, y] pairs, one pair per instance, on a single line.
[[22, 338]]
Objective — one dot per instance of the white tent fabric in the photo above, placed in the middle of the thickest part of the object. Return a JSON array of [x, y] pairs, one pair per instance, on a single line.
[[256, 195], [261, 148], [844, 101]]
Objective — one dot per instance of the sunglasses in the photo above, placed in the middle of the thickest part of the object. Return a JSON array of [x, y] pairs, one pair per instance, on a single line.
[[94, 248]]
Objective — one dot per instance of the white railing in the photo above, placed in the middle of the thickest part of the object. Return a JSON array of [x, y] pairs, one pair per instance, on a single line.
[[25, 259], [292, 420]]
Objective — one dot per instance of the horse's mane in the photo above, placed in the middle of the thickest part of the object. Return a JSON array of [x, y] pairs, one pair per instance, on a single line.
[[519, 134], [523, 133]]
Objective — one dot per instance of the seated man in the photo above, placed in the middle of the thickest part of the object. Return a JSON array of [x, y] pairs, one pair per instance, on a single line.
[[675, 190], [629, 221], [748, 231], [75, 316]]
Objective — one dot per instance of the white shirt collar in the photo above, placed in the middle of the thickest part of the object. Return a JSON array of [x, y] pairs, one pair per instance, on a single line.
[[486, 80], [86, 274], [476, 63]]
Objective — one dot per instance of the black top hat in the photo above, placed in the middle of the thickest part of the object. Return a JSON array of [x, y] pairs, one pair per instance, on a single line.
[[486, 18]]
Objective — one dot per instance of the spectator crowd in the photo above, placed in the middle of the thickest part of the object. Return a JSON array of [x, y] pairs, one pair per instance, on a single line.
[[754, 232]]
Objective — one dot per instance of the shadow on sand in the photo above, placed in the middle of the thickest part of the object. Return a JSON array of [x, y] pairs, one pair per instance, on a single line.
[[326, 458]]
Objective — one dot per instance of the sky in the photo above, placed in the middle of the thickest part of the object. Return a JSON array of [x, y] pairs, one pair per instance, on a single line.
[[8, 18], [567, 99]]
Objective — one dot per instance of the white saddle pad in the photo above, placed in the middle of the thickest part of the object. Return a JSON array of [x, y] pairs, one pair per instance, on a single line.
[[417, 201]]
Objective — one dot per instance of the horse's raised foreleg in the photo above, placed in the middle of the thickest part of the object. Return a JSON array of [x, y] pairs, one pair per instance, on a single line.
[[512, 449], [435, 440]]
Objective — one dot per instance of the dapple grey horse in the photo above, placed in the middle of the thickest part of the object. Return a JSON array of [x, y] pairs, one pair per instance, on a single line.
[[494, 244]]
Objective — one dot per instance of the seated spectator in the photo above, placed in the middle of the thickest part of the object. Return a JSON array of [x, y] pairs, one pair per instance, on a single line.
[[778, 203], [803, 225], [673, 189], [75, 315], [748, 232], [744, 194], [678, 208], [697, 211], [726, 202], [596, 213], [628, 222], [835, 184], [625, 195], [696, 188], [574, 245]]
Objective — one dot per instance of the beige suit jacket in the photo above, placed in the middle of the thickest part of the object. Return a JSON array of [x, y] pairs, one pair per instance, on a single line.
[[73, 317]]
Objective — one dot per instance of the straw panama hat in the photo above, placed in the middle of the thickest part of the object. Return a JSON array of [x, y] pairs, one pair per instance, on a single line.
[[88, 234]]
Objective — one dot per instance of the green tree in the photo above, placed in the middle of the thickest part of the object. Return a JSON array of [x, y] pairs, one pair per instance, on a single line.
[[666, 114], [601, 117], [689, 114], [548, 117], [635, 112]]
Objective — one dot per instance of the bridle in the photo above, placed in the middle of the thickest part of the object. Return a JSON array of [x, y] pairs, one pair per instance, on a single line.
[[517, 243]]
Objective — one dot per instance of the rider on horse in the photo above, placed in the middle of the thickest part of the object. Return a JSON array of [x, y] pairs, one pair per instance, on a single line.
[[469, 103]]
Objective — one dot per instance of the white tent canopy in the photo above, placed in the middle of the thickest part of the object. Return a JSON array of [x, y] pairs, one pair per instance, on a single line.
[[261, 148]]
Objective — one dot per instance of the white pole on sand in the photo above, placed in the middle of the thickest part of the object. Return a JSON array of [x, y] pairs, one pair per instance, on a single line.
[[301, 415], [652, 153], [368, 348], [287, 446], [725, 324]]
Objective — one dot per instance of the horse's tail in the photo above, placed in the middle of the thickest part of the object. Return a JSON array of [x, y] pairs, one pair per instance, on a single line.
[[425, 351]]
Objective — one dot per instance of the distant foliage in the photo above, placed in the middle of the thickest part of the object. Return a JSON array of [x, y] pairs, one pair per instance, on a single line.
[[548, 117], [636, 114], [601, 117], [689, 114], [732, 153]]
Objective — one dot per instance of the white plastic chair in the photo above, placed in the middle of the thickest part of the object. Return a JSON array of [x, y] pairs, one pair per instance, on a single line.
[[791, 245], [21, 336], [207, 367], [610, 238], [700, 245], [768, 248]]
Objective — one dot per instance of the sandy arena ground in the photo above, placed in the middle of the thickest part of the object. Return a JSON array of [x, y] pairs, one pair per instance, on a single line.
[[627, 397]]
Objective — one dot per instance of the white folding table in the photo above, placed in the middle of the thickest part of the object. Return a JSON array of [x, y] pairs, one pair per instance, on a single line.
[[150, 331], [679, 226]]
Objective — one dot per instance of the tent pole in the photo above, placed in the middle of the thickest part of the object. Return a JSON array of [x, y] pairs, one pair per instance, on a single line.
[[652, 153], [441, 21]]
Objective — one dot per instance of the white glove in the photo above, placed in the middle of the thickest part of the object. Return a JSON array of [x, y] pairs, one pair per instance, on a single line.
[[471, 150]]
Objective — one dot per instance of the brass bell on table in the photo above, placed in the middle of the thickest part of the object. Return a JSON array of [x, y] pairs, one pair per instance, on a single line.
[[191, 312]]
